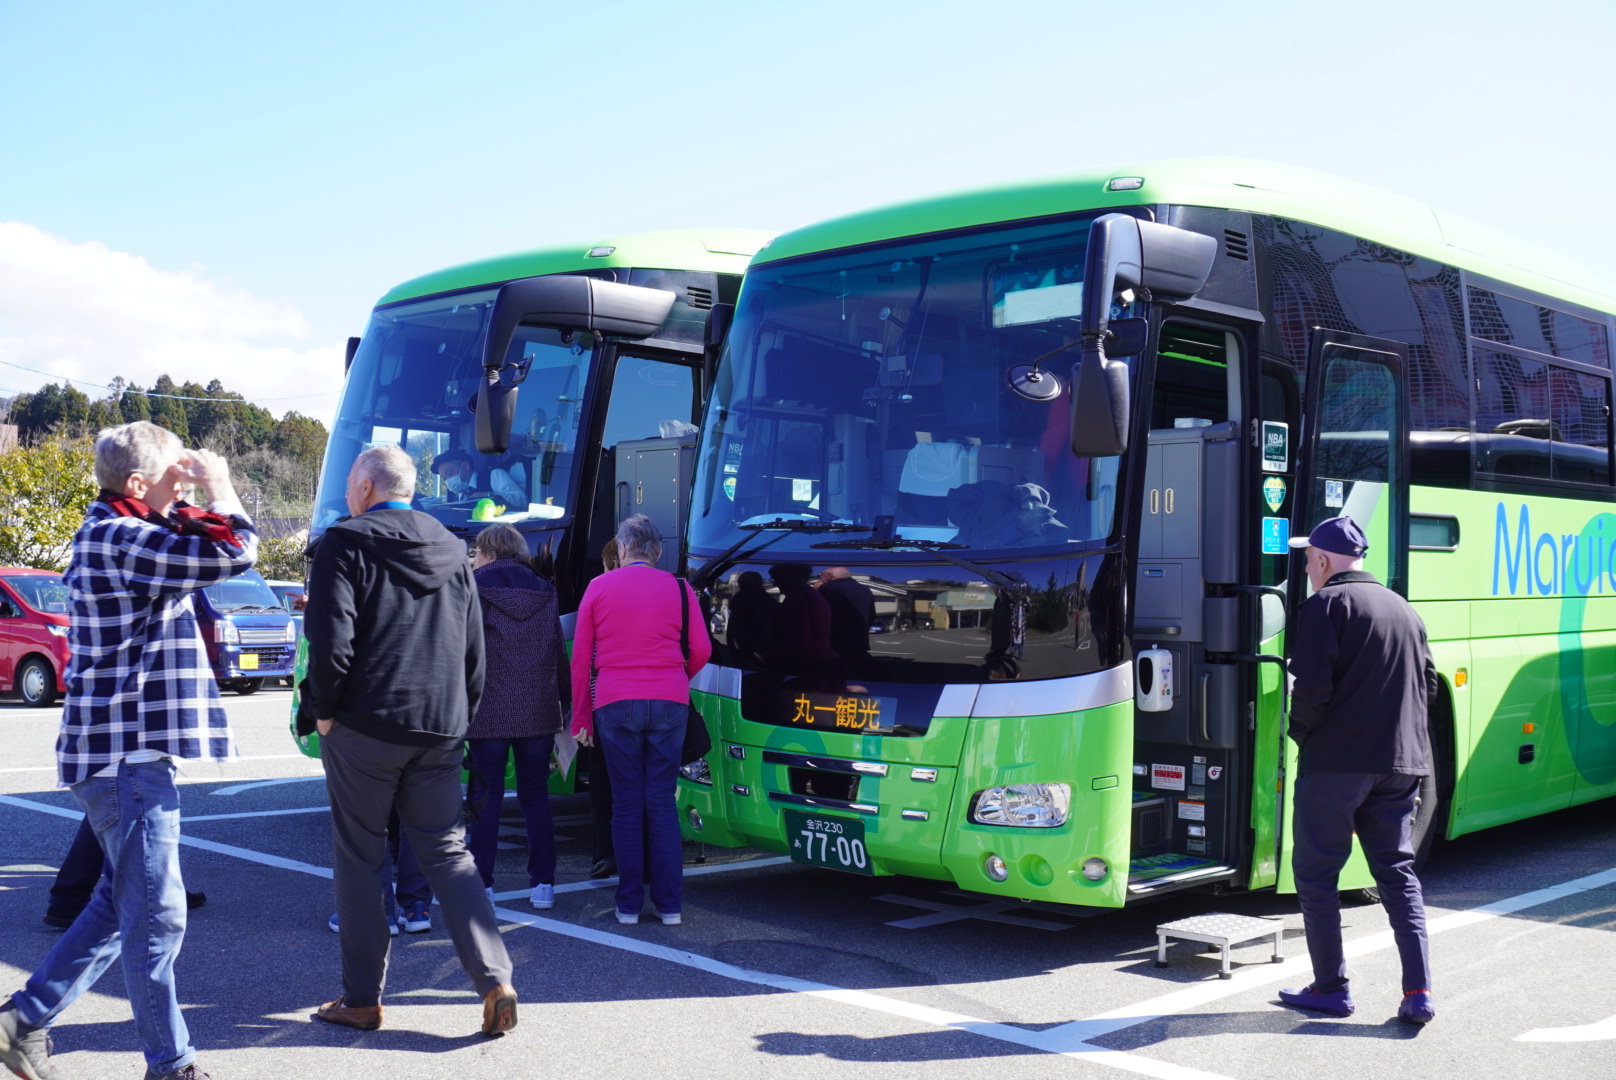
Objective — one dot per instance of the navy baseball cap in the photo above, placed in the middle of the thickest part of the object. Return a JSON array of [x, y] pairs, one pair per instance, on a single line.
[[1337, 535]]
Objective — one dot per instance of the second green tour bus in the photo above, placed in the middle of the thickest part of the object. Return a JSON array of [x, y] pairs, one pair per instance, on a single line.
[[1060, 433], [556, 389]]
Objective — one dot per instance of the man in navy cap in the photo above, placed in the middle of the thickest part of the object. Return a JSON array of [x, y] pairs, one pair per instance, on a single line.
[[1363, 678]]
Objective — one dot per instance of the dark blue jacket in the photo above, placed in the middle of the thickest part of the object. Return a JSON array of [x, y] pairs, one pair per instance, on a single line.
[[1364, 680], [527, 675]]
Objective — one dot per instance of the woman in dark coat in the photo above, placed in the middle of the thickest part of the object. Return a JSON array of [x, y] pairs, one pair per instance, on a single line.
[[520, 710]]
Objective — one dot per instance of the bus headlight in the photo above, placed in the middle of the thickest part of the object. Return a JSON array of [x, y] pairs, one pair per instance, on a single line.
[[1031, 806], [697, 771]]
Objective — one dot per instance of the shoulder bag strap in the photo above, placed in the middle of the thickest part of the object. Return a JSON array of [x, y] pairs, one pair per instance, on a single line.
[[684, 619]]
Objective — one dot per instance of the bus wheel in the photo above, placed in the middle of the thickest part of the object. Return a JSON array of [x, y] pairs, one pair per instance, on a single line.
[[246, 686], [36, 683], [1360, 897], [1427, 814]]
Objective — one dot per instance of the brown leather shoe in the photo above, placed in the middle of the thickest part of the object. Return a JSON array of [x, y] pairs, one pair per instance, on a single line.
[[363, 1017], [499, 1011]]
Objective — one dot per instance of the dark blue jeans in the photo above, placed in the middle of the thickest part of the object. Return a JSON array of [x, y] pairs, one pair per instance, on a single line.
[[643, 739], [486, 793], [1379, 807], [136, 914]]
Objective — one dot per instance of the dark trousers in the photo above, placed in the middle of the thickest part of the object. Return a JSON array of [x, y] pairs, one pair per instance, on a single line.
[[1379, 807], [81, 869], [406, 868], [486, 794], [643, 739], [366, 779]]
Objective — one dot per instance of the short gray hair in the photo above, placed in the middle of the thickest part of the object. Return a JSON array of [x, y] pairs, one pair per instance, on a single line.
[[141, 447], [501, 542], [640, 539], [389, 469]]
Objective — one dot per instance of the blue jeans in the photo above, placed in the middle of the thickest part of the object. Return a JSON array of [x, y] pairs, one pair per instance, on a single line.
[[486, 792], [643, 739], [140, 900], [1329, 808]]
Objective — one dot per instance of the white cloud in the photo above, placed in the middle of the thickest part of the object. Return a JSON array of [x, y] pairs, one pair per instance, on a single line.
[[84, 312]]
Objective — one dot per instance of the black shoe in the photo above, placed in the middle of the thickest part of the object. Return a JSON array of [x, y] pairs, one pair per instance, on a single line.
[[194, 900], [603, 868], [59, 918]]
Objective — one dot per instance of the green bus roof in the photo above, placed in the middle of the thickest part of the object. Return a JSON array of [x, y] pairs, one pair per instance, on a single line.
[[1259, 187], [723, 251]]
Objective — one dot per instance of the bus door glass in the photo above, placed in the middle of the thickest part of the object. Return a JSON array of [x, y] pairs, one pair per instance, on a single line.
[[1355, 461], [647, 447]]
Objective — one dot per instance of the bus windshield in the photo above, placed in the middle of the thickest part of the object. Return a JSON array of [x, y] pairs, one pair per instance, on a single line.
[[857, 386], [413, 384]]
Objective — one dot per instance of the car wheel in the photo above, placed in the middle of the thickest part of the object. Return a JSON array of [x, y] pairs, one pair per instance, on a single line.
[[36, 683], [247, 686]]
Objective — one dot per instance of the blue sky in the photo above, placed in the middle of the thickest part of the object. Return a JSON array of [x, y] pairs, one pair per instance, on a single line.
[[223, 189]]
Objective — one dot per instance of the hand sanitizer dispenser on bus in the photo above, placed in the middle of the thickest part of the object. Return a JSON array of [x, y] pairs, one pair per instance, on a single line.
[[1153, 670]]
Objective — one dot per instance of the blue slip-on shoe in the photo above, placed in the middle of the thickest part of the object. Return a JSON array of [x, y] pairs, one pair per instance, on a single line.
[[417, 918], [1338, 1003], [1416, 1008]]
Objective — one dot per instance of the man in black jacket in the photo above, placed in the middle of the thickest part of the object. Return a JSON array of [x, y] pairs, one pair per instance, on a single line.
[[395, 673], [1363, 681]]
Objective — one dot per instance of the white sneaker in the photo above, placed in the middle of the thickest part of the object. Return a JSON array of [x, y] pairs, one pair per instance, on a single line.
[[543, 897], [628, 920], [489, 889], [668, 920], [335, 929]]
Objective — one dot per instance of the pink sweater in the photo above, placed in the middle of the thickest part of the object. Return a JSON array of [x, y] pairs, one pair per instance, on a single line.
[[629, 623]]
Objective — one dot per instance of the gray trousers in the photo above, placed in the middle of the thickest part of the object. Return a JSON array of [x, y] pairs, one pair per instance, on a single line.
[[366, 778]]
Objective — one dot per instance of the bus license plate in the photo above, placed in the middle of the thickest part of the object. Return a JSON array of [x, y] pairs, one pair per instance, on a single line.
[[248, 661], [832, 842]]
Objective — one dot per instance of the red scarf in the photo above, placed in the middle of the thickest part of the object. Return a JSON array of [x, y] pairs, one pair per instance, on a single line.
[[185, 519]]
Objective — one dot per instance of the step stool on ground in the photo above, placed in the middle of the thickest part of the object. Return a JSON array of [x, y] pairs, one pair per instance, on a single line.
[[1221, 929]]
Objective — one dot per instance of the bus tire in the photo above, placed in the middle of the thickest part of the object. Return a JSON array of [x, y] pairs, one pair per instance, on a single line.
[[1360, 897], [36, 683]]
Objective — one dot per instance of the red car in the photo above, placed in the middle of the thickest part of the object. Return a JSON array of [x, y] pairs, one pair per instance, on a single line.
[[33, 634]]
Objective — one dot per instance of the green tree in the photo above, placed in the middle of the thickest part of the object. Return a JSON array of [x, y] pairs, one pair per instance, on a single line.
[[168, 412], [44, 492], [283, 558], [301, 438], [134, 404]]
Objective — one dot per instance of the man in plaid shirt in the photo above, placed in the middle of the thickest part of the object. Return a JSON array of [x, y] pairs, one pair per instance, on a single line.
[[140, 693]]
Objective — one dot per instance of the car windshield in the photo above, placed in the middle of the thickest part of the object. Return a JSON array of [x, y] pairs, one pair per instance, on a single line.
[[413, 383], [42, 592], [873, 385], [246, 590]]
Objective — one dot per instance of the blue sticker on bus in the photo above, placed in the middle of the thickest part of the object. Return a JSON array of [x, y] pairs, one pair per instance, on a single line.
[[1276, 536]]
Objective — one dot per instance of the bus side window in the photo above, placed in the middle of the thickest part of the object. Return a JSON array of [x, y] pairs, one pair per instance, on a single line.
[[1192, 377]]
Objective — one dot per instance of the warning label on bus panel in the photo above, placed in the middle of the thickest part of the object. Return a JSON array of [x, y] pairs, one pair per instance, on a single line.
[[1167, 777], [1191, 811]]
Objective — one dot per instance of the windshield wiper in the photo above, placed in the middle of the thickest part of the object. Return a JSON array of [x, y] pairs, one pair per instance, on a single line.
[[723, 561]]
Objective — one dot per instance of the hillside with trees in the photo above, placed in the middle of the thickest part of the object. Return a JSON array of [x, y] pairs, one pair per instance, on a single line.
[[46, 481]]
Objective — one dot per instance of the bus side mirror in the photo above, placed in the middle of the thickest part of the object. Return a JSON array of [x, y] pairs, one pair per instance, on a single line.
[[353, 347], [560, 302], [1125, 253]]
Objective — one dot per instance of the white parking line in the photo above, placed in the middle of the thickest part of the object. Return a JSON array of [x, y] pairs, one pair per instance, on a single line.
[[1067, 1040]]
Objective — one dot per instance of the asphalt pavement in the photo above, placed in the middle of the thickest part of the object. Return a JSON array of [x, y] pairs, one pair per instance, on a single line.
[[785, 971]]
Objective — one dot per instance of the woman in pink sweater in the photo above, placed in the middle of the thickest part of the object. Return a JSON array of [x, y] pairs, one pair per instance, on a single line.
[[631, 692]]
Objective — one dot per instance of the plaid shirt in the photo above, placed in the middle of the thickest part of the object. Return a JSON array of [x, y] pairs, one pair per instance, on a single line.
[[139, 677]]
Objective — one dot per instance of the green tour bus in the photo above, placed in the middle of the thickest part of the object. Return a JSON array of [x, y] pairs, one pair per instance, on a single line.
[[567, 380], [1061, 432]]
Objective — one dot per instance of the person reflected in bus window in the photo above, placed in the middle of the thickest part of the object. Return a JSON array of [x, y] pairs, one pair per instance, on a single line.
[[1363, 681], [752, 614], [801, 644], [852, 613]]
